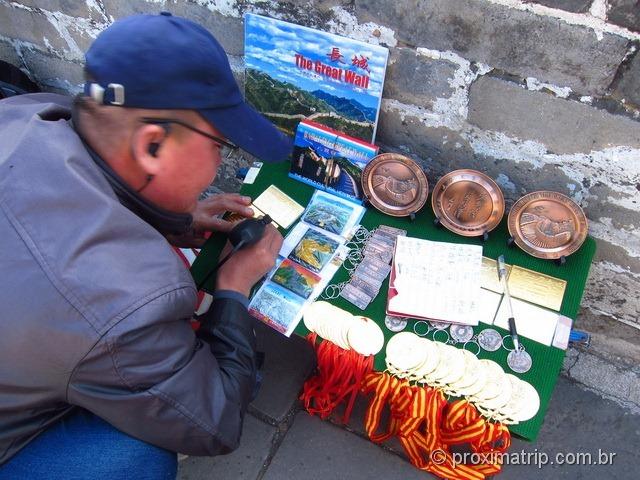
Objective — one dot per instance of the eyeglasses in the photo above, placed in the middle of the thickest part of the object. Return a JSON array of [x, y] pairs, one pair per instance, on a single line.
[[165, 121]]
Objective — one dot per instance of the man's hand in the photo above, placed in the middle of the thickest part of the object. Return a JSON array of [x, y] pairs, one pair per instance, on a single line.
[[248, 265], [205, 218]]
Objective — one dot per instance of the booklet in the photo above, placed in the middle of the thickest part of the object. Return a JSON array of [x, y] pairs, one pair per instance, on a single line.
[[329, 160], [309, 257], [295, 73], [435, 280]]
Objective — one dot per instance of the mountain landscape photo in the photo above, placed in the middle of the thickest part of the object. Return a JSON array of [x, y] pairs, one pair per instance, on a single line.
[[295, 73], [286, 105]]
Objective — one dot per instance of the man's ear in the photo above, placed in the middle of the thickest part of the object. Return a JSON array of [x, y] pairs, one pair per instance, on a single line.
[[146, 146]]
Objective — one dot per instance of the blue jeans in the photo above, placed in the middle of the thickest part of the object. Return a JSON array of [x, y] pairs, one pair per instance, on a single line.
[[82, 446]]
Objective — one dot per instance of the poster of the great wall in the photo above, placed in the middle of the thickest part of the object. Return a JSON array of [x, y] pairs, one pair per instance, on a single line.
[[295, 73]]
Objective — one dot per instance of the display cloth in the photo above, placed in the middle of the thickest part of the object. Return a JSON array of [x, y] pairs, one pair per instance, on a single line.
[[547, 361]]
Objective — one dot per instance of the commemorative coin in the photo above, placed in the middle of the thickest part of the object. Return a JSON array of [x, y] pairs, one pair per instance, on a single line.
[[461, 333], [490, 340], [395, 324], [519, 361]]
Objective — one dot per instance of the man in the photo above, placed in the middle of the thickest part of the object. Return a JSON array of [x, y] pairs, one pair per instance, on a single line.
[[101, 375]]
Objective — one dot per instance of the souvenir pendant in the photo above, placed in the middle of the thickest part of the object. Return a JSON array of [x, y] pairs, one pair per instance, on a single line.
[[490, 340], [395, 324], [461, 333], [519, 361]]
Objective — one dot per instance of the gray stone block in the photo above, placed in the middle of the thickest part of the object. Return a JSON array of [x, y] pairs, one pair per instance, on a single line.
[[229, 31], [243, 464], [288, 362], [609, 288], [20, 24], [625, 13], [72, 8], [433, 148], [564, 126], [576, 422], [416, 79], [317, 450], [440, 150], [578, 6], [628, 88], [119, 9], [8, 54], [609, 379], [519, 42], [54, 72]]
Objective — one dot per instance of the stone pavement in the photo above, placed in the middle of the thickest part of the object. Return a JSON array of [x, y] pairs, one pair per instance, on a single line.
[[281, 441]]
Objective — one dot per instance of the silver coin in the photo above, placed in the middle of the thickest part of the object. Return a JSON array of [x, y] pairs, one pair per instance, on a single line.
[[440, 325], [490, 340], [395, 324], [461, 333], [519, 361]]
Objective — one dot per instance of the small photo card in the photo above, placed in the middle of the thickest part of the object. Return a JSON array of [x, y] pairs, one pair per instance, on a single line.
[[296, 278]]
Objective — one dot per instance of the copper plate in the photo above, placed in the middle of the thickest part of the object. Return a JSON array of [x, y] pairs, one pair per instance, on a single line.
[[468, 203], [547, 224], [395, 184]]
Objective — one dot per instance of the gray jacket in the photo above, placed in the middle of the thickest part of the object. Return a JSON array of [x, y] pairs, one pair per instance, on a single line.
[[95, 305]]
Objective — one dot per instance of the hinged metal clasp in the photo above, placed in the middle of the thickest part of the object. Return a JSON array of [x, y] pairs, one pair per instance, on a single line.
[[118, 93], [98, 93]]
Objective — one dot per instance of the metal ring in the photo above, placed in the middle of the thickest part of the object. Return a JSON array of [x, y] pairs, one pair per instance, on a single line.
[[415, 329], [355, 256], [362, 234], [333, 291], [446, 333], [503, 346], [327, 292], [348, 265], [464, 346]]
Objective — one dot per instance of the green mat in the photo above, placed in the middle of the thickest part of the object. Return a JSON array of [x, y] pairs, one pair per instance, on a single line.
[[547, 361]]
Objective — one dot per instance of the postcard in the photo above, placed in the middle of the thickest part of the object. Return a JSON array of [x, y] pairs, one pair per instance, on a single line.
[[296, 278], [314, 250], [277, 307], [487, 306], [332, 213], [532, 322], [537, 288], [282, 209], [489, 275]]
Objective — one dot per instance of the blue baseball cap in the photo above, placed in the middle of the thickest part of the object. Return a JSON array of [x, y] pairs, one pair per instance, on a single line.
[[169, 62]]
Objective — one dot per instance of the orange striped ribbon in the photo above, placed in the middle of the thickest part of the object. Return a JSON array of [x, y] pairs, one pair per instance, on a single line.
[[338, 379], [419, 416], [424, 423]]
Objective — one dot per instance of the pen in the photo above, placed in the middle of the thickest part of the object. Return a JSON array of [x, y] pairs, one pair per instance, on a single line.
[[502, 275]]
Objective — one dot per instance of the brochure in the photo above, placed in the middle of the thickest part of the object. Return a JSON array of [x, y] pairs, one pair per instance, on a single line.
[[329, 160], [295, 72]]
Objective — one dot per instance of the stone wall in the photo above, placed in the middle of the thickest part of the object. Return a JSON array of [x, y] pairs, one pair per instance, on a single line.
[[538, 94]]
